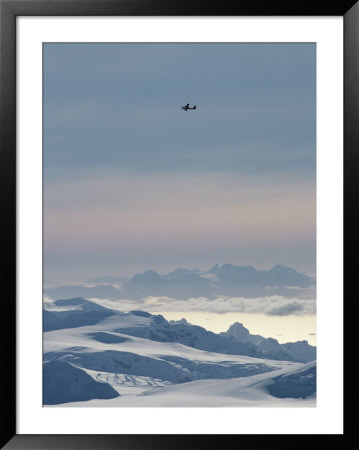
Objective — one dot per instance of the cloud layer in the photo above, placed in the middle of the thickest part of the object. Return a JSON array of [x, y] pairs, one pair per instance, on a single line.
[[272, 305]]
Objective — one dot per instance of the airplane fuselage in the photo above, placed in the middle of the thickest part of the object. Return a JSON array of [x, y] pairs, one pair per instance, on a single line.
[[186, 107]]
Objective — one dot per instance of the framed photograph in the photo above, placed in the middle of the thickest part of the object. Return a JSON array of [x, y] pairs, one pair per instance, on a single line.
[[174, 193]]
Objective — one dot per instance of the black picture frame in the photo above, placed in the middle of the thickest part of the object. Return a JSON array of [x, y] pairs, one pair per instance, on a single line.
[[9, 10]]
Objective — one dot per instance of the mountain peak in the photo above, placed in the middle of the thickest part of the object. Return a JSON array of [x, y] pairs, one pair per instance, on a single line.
[[238, 331], [214, 269], [148, 275], [180, 321], [237, 326]]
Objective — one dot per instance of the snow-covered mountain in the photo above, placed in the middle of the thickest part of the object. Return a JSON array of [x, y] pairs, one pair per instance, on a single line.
[[227, 279], [63, 382], [235, 341], [128, 354], [269, 347], [301, 351], [241, 334], [74, 312], [297, 383], [289, 386]]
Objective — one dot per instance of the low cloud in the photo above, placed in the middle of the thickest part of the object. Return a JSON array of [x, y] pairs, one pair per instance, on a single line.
[[271, 305], [48, 300]]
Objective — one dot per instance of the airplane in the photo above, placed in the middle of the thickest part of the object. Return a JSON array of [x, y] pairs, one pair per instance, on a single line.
[[186, 107]]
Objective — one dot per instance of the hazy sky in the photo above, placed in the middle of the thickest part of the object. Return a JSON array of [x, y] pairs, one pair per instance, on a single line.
[[131, 182]]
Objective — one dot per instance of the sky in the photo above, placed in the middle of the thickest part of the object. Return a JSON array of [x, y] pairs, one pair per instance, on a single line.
[[132, 182]]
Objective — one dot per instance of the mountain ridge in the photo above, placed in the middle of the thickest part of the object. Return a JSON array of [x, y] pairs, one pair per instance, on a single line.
[[145, 325], [226, 279]]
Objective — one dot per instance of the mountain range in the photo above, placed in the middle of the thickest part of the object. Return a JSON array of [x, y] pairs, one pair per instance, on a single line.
[[235, 341], [227, 280]]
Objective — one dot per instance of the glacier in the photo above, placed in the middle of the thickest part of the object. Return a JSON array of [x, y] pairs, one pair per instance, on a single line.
[[97, 356]]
